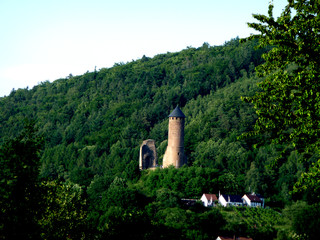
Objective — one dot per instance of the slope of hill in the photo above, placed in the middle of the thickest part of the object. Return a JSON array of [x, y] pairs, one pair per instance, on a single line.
[[97, 121], [93, 127]]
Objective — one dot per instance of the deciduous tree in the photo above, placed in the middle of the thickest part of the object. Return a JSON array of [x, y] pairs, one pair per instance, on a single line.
[[288, 104], [19, 185]]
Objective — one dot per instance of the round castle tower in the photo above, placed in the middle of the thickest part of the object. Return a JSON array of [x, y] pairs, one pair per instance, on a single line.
[[174, 154]]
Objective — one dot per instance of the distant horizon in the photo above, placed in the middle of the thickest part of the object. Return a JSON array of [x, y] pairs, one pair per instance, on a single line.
[[45, 41]]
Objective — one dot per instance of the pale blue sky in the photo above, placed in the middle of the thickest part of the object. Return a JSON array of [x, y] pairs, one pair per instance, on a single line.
[[49, 39]]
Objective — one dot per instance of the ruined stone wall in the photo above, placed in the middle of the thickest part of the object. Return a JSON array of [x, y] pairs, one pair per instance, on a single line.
[[148, 155]]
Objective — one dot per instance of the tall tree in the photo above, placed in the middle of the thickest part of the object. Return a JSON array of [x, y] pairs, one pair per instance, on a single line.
[[64, 211], [288, 103], [19, 185]]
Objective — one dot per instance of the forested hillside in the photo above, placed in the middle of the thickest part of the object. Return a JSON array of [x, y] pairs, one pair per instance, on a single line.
[[95, 123], [92, 126]]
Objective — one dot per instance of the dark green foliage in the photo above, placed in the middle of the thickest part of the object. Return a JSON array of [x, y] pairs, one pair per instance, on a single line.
[[65, 211], [216, 122], [20, 199], [82, 176], [187, 182], [260, 223], [303, 219]]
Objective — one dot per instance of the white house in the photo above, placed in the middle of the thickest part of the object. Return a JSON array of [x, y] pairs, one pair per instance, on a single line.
[[230, 200], [233, 238], [252, 200], [224, 238], [208, 199]]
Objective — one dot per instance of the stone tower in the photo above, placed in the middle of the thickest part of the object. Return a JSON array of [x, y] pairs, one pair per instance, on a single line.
[[174, 154]]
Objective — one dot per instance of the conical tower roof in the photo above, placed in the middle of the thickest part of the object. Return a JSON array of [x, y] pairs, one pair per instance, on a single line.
[[177, 113]]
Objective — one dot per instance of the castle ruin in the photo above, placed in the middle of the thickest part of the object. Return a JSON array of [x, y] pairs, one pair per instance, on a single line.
[[148, 155], [174, 155]]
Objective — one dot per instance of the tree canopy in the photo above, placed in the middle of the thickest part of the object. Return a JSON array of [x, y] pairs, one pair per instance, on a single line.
[[288, 104], [20, 199]]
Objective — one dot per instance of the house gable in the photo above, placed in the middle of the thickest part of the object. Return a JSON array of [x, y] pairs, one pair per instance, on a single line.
[[208, 199], [233, 238], [252, 200]]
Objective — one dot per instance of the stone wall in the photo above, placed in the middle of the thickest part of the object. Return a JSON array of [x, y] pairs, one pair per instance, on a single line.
[[148, 155]]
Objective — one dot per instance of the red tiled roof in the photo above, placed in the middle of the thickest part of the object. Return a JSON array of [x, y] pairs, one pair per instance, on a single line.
[[211, 196], [253, 198], [237, 238]]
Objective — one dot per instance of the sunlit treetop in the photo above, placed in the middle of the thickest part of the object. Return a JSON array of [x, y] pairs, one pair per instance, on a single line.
[[288, 105]]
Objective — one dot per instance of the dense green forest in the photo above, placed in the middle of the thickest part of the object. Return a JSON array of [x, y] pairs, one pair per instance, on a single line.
[[69, 149], [94, 124]]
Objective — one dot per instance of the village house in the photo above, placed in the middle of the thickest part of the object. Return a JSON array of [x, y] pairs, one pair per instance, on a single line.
[[233, 238], [252, 200], [230, 200], [208, 200]]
